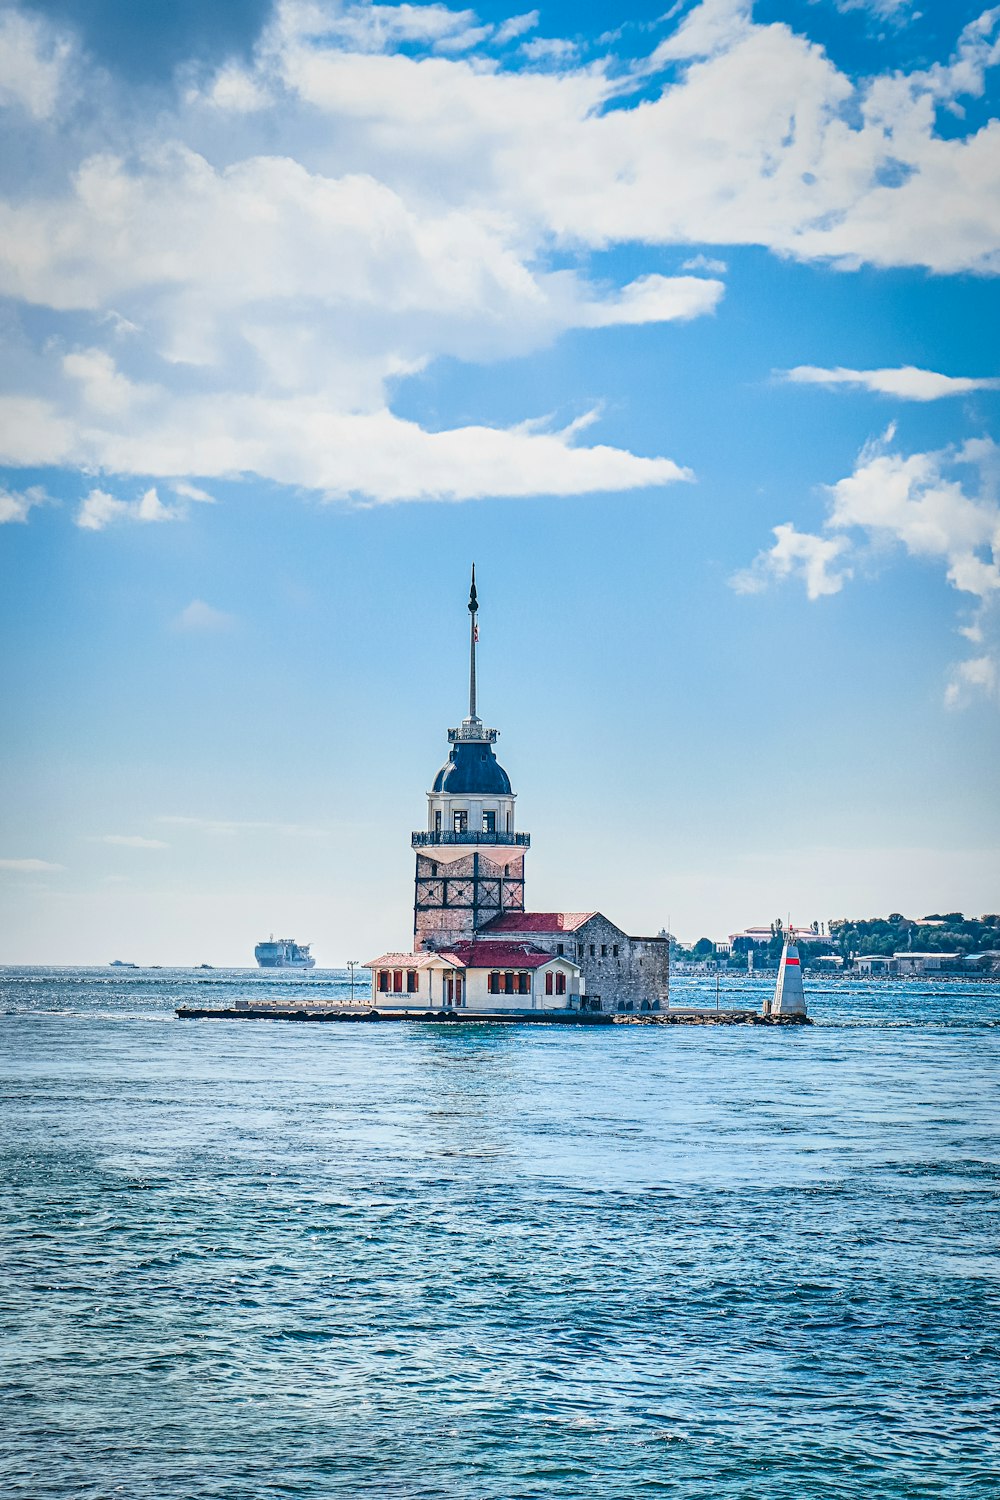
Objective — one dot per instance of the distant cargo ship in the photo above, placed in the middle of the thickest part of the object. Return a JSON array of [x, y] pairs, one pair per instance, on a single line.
[[283, 953]]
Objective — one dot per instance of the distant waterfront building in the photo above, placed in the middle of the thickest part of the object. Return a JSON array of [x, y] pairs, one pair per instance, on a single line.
[[474, 945], [925, 963], [875, 964], [760, 937]]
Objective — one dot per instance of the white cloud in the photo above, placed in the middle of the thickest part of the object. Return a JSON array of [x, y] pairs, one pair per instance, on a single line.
[[510, 30], [979, 675], [379, 28], [130, 841], [714, 27], [192, 492], [914, 501], [199, 616], [373, 456], [29, 866], [886, 10], [655, 299], [105, 390], [99, 509], [797, 554], [549, 49], [233, 90], [939, 507], [907, 382], [33, 60], [228, 826], [16, 504], [405, 212], [709, 263]]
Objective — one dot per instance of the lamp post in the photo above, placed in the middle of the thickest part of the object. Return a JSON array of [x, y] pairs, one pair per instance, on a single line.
[[352, 964]]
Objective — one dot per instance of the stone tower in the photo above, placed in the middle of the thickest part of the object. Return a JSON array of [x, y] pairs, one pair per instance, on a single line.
[[470, 861]]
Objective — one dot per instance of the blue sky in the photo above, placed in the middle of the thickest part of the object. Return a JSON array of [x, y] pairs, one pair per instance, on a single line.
[[683, 327]]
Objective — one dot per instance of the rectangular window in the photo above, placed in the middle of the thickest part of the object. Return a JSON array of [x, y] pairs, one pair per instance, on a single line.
[[560, 949], [523, 984], [397, 981], [560, 984], [437, 822], [508, 822], [383, 981], [461, 822], [548, 983], [411, 981], [604, 950], [614, 950], [592, 950], [489, 822]]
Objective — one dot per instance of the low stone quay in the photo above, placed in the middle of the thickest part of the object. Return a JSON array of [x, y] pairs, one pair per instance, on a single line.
[[679, 1017]]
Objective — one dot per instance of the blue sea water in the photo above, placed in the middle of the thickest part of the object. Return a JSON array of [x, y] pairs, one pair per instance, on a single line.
[[251, 1260]]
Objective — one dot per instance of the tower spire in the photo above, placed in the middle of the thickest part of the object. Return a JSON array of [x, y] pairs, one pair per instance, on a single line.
[[473, 638]]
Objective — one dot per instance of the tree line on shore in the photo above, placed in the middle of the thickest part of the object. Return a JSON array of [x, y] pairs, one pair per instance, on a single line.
[[937, 932]]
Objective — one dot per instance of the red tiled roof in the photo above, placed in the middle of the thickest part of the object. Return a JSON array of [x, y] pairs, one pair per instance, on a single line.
[[538, 921], [400, 961], [498, 955]]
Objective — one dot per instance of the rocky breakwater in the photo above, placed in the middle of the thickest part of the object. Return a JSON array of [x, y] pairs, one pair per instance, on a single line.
[[712, 1018]]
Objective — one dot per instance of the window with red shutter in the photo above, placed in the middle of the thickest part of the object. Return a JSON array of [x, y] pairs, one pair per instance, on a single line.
[[548, 983], [397, 982]]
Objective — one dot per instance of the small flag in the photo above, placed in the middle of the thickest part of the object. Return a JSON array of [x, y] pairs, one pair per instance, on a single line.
[[475, 634]]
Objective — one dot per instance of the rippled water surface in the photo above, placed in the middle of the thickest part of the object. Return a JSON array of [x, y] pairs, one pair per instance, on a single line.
[[265, 1259]]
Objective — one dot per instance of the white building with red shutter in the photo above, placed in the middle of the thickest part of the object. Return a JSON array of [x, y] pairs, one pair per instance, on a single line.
[[477, 976]]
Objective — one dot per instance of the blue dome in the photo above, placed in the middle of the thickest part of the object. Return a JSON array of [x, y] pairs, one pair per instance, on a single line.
[[471, 770]]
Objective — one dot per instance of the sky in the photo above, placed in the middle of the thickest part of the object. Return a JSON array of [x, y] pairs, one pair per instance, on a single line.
[[682, 326]]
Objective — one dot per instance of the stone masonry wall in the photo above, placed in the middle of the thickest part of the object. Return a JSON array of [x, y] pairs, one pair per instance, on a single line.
[[639, 974], [447, 894]]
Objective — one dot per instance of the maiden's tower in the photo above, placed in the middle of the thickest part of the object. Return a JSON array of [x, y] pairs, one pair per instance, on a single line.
[[474, 944], [470, 859]]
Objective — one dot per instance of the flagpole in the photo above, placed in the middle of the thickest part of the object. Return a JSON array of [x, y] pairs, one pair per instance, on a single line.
[[473, 611]]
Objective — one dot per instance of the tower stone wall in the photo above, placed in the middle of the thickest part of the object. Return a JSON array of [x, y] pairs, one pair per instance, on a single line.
[[454, 898]]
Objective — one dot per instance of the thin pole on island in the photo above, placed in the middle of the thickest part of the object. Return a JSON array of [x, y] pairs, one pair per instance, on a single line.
[[473, 638], [352, 964]]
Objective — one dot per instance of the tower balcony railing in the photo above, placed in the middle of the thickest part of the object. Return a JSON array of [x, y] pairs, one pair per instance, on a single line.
[[477, 733], [423, 839]]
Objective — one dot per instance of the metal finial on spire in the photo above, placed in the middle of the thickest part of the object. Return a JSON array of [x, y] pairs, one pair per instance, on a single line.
[[473, 638]]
